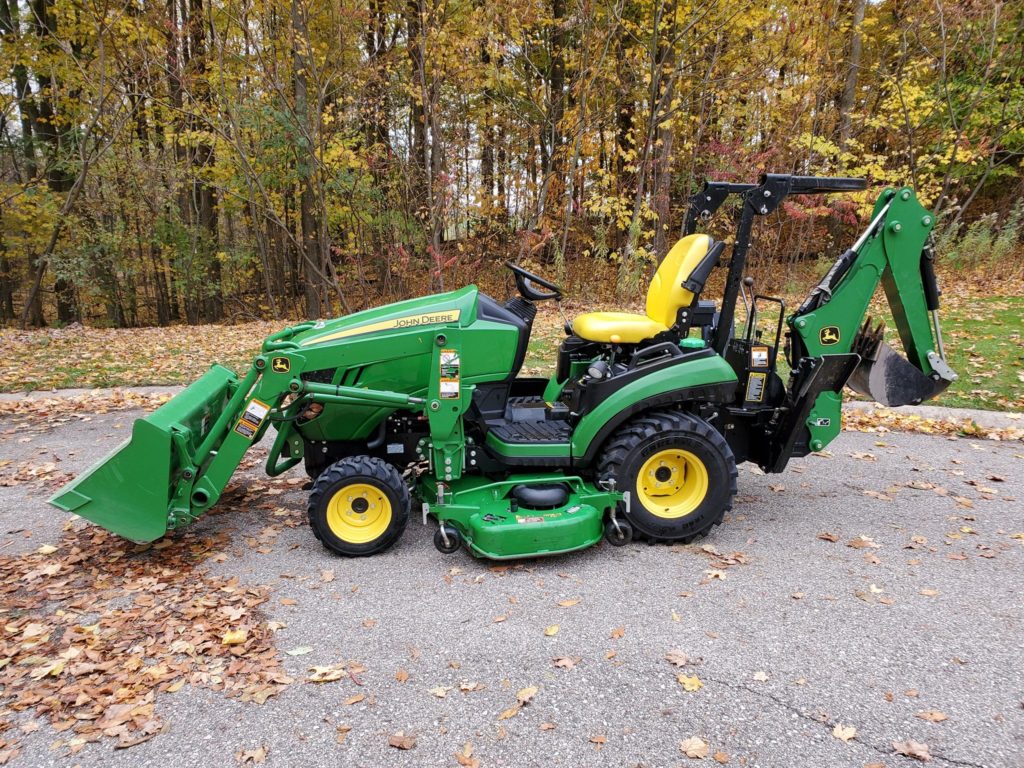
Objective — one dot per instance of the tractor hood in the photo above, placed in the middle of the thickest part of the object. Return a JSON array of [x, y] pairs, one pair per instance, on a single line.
[[455, 308]]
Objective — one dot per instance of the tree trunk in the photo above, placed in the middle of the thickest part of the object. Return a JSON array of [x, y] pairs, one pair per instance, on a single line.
[[849, 97], [310, 234], [203, 201], [417, 114]]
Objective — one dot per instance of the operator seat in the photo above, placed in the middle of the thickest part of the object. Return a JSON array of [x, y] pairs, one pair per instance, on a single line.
[[676, 285]]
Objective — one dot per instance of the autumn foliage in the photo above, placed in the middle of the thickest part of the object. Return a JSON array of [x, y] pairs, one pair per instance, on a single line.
[[223, 159]]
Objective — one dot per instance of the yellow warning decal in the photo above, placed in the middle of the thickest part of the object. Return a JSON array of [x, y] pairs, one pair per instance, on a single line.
[[252, 418], [395, 323], [755, 387]]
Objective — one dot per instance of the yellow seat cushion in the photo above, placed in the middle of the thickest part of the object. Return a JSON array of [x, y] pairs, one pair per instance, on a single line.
[[626, 327], [665, 297]]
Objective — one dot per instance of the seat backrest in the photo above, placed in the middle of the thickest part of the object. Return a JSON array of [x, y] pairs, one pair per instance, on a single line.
[[666, 295]]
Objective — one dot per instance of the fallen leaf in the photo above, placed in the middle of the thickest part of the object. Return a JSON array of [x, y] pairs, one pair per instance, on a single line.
[[761, 676], [877, 495], [465, 757], [914, 749], [510, 712], [46, 549], [568, 603], [302, 650], [547, 726], [402, 741], [690, 684], [677, 658], [258, 755], [49, 669], [235, 637], [401, 676], [525, 695], [694, 748], [565, 662], [440, 691], [929, 592], [551, 631], [326, 674], [721, 757], [617, 633], [825, 536], [326, 575], [933, 716], [844, 732], [862, 542], [354, 699], [599, 739], [341, 732]]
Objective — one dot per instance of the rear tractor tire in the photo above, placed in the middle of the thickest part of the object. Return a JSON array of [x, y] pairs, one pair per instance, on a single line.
[[679, 471], [359, 506]]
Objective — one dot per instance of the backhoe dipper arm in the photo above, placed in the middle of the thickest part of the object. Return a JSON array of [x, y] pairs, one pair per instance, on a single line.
[[896, 251], [830, 332]]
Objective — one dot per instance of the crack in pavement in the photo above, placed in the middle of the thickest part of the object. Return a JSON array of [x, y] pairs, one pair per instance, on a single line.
[[829, 722]]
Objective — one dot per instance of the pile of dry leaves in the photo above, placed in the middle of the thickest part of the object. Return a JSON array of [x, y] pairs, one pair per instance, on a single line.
[[96, 629], [895, 420]]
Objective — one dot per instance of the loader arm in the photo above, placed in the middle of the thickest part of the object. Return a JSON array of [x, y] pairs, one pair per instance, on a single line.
[[180, 457]]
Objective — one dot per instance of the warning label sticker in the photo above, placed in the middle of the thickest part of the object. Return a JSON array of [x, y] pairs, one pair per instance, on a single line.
[[759, 357], [251, 420], [755, 387], [449, 384]]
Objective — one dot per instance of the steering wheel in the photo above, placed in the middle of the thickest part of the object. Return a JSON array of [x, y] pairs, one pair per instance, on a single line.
[[525, 281]]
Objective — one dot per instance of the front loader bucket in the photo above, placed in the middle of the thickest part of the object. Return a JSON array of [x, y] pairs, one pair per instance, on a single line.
[[892, 380], [134, 491]]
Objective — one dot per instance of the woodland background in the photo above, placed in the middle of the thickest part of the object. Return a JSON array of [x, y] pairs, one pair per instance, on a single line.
[[168, 161]]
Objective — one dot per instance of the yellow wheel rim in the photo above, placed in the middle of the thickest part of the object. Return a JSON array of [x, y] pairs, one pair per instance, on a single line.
[[358, 513], [672, 483]]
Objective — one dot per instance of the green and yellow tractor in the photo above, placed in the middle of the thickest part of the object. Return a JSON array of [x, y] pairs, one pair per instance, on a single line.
[[419, 405]]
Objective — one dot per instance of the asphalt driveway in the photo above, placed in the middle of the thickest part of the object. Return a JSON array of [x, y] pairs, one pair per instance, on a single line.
[[869, 596]]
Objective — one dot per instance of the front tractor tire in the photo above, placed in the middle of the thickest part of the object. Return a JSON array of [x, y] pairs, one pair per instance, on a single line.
[[359, 506], [679, 471]]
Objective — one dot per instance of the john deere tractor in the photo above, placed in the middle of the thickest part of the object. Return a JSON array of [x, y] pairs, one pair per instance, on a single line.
[[419, 406]]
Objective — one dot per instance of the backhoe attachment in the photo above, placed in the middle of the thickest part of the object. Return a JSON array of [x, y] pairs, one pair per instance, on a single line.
[[895, 250]]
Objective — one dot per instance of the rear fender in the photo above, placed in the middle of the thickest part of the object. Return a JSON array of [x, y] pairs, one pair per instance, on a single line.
[[708, 379]]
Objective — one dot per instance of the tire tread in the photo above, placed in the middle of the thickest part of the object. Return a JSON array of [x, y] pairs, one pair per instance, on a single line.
[[353, 467], [651, 424]]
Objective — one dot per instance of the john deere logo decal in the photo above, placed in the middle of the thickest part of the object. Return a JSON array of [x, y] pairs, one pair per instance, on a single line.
[[829, 335], [281, 365]]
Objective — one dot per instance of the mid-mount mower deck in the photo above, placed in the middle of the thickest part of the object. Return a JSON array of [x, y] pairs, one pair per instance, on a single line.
[[638, 432]]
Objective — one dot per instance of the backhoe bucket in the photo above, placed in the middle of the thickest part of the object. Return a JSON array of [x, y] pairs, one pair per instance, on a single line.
[[136, 490], [892, 380]]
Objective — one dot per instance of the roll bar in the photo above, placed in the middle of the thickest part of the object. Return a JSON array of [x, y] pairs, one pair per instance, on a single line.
[[758, 200]]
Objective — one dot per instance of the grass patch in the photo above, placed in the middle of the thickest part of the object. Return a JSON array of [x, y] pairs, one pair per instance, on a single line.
[[984, 340]]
